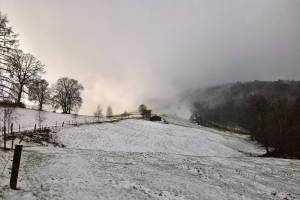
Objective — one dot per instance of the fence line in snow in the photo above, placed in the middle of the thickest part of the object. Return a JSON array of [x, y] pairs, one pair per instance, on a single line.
[[10, 134]]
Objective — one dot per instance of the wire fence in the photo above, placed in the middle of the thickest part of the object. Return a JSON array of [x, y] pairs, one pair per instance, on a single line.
[[12, 131]]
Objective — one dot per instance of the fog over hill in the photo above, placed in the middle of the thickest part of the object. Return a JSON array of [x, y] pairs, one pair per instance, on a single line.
[[132, 52]]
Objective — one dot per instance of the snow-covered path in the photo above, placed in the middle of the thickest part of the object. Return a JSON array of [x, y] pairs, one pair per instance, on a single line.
[[135, 159]]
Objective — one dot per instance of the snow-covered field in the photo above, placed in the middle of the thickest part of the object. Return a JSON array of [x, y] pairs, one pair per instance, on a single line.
[[27, 118], [145, 136], [137, 159]]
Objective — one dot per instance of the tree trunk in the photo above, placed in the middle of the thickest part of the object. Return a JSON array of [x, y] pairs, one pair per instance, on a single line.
[[41, 101], [40, 106], [64, 108], [19, 94]]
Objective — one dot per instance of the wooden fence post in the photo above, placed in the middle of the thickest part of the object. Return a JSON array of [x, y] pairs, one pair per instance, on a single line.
[[15, 167], [62, 125], [21, 136], [34, 128], [4, 136], [12, 135]]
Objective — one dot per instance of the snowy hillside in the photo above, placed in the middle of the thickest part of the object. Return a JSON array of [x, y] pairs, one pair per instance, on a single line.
[[144, 136], [26, 118], [137, 159]]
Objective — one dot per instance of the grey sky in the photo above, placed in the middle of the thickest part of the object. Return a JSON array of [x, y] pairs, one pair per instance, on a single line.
[[131, 51]]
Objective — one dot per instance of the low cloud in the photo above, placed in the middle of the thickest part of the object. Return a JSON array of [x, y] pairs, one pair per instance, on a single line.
[[130, 52]]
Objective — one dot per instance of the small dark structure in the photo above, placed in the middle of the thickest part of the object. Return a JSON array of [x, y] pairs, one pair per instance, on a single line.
[[155, 118]]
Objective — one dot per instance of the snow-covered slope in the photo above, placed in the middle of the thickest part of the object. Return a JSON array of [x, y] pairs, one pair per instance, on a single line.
[[145, 136], [26, 118], [137, 159]]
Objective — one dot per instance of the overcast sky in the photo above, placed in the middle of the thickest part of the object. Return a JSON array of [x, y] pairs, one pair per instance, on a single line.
[[127, 52]]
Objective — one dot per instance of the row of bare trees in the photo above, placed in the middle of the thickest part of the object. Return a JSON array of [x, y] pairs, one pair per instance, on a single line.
[[21, 75], [98, 113]]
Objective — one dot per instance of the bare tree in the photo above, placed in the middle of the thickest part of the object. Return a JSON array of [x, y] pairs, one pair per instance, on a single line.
[[8, 115], [8, 43], [142, 109], [66, 95], [23, 70], [39, 92], [109, 112], [146, 114], [98, 113]]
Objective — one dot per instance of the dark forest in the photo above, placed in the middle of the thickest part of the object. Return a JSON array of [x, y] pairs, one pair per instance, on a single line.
[[268, 111]]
